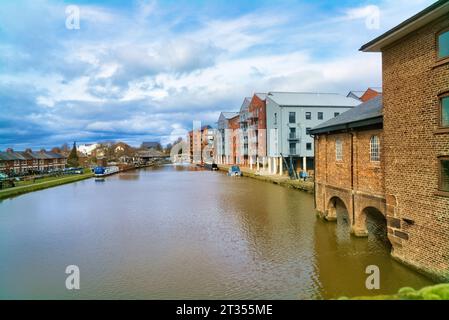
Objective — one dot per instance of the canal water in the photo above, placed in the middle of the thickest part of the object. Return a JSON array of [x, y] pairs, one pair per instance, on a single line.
[[177, 232]]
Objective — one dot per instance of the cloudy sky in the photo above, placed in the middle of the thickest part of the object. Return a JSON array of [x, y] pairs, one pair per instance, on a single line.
[[144, 70]]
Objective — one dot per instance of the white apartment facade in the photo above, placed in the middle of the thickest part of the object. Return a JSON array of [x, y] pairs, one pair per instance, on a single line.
[[289, 117]]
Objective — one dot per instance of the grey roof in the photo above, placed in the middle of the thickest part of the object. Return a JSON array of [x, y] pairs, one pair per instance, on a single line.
[[307, 99], [8, 156], [24, 155], [357, 94], [230, 115], [245, 104], [150, 144], [357, 116], [151, 153]]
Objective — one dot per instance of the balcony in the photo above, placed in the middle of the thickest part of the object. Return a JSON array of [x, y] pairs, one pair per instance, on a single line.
[[293, 137]]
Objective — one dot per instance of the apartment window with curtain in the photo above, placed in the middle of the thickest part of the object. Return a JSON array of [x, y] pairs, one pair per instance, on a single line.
[[444, 111], [444, 174], [292, 117], [374, 149], [443, 44], [338, 150]]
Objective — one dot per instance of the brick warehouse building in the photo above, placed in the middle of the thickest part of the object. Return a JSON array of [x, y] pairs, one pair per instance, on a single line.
[[411, 181], [349, 165]]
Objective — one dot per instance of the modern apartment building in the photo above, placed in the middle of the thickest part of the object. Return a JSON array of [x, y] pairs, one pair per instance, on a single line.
[[289, 117]]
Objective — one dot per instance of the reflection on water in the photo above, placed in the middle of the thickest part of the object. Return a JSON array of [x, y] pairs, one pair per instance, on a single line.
[[180, 232]]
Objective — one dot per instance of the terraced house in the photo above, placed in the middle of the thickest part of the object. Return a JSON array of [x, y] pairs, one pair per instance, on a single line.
[[27, 161], [392, 156]]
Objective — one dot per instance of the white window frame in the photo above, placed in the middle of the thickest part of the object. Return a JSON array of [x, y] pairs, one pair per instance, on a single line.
[[338, 150], [374, 149]]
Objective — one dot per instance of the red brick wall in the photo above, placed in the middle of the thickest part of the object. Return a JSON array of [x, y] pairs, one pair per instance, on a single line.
[[412, 83], [260, 106], [368, 177]]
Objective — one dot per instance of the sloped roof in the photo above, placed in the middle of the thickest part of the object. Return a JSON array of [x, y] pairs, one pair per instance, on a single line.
[[151, 153], [245, 104], [150, 144], [358, 94], [307, 99], [8, 156], [229, 115], [24, 155], [356, 117]]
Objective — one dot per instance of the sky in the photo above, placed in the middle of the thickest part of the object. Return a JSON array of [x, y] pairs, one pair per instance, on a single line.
[[136, 71]]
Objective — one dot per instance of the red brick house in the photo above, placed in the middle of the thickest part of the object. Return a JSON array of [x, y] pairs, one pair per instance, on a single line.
[[28, 161]]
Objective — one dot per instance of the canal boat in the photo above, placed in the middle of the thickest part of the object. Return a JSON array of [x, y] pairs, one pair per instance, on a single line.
[[101, 172], [235, 171]]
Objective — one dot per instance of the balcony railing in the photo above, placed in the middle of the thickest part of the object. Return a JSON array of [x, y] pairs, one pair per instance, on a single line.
[[293, 136]]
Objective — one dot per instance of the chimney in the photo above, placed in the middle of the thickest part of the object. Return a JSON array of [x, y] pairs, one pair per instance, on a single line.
[[43, 151], [9, 150], [28, 150]]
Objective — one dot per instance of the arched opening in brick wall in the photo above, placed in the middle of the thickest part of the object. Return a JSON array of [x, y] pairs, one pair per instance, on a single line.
[[339, 211], [376, 226]]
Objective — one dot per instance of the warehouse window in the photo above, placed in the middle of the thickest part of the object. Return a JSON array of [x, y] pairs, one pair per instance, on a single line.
[[444, 111], [374, 148], [338, 150], [443, 44], [444, 174]]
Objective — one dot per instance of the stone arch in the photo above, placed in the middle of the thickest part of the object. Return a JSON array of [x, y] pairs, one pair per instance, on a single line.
[[333, 204], [365, 205]]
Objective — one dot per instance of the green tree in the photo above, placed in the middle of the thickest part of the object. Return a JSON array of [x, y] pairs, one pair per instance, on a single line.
[[73, 160]]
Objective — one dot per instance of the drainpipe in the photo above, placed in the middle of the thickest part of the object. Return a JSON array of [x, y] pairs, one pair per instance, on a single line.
[[352, 178], [314, 169]]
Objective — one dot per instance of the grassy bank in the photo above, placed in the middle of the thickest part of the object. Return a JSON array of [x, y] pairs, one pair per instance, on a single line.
[[42, 184], [284, 181], [437, 292]]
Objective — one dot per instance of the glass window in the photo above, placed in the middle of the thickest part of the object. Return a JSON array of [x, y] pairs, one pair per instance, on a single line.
[[445, 112], [308, 130], [275, 118], [292, 133], [338, 150], [374, 148], [292, 117], [443, 45], [336, 114], [320, 116], [308, 115], [444, 174], [292, 149], [308, 146]]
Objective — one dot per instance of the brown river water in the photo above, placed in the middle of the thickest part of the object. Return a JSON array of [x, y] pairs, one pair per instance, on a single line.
[[177, 232]]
